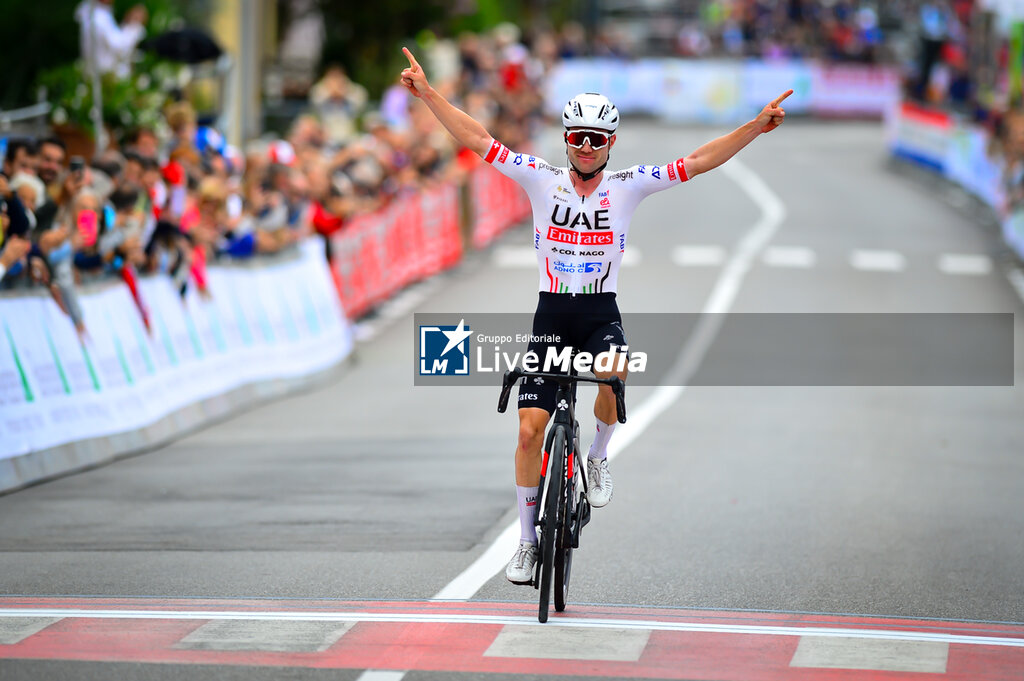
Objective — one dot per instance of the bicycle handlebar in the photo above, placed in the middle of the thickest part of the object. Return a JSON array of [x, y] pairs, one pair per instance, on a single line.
[[617, 385]]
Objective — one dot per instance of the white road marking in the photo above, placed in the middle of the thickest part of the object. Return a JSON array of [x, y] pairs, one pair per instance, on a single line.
[[878, 261], [514, 256], [381, 675], [927, 657], [526, 257], [698, 256], [727, 286], [17, 629], [789, 256], [1016, 278], [959, 263], [521, 620], [563, 643], [275, 636]]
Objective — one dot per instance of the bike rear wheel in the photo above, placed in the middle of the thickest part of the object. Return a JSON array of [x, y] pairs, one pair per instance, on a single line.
[[550, 522]]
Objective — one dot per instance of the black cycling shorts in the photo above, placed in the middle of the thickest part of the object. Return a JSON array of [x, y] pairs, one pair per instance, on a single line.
[[589, 322]]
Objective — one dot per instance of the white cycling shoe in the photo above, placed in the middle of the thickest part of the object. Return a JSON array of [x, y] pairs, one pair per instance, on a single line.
[[599, 482], [520, 568]]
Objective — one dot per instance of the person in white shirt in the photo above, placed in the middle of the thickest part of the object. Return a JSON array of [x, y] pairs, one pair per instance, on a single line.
[[114, 44]]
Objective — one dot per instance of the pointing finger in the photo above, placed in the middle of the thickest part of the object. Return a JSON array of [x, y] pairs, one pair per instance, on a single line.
[[781, 97], [412, 60]]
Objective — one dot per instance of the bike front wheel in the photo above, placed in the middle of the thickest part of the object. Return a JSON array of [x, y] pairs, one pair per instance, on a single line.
[[563, 561], [549, 526]]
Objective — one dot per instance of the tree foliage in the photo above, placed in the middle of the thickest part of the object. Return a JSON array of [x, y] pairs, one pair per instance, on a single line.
[[36, 36], [366, 37]]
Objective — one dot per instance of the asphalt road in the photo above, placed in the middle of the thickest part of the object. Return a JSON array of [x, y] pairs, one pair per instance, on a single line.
[[888, 501]]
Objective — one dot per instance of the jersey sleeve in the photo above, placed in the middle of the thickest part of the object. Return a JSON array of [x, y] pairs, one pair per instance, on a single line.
[[523, 168], [647, 179]]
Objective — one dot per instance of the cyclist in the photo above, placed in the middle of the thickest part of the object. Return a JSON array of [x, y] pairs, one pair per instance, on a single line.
[[581, 218]]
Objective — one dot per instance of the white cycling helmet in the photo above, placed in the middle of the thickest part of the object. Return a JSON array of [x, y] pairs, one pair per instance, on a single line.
[[590, 110]]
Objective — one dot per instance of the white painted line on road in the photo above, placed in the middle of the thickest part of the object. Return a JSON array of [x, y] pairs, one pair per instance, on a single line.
[[816, 652], [520, 620], [381, 675], [1016, 278], [789, 256], [17, 629], [727, 286], [563, 643], [878, 261], [526, 257], [631, 257], [514, 256], [960, 263], [259, 635], [698, 256]]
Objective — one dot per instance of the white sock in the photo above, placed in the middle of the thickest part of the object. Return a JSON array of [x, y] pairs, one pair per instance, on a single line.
[[527, 497], [599, 449]]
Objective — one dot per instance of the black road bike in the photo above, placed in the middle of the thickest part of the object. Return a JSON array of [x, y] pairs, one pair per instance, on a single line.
[[562, 508]]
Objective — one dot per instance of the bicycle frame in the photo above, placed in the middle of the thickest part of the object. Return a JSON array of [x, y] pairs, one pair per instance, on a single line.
[[560, 517]]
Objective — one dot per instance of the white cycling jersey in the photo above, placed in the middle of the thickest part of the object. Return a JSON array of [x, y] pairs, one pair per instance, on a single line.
[[580, 241]]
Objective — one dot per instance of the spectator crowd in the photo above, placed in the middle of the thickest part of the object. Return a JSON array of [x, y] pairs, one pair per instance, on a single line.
[[170, 201]]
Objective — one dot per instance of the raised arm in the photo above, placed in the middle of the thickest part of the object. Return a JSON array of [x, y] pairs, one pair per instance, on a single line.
[[463, 127], [716, 152]]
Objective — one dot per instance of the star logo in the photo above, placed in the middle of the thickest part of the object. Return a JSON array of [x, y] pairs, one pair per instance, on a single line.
[[444, 350]]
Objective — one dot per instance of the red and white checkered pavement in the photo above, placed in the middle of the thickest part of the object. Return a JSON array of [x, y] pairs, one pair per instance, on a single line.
[[596, 641]]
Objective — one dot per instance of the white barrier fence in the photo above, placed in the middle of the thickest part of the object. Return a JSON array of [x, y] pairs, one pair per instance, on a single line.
[[276, 319]]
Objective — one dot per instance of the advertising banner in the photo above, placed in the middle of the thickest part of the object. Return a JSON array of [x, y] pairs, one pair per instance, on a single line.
[[852, 89], [720, 92], [379, 253], [260, 321], [920, 135]]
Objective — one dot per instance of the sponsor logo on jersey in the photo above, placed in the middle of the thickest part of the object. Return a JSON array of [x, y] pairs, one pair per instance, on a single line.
[[671, 172], [622, 175], [532, 163], [528, 396], [519, 160], [568, 236], [681, 169], [606, 202], [574, 268], [563, 190], [571, 219], [622, 242], [536, 238], [504, 155], [582, 254], [549, 168], [656, 172], [605, 193], [642, 170]]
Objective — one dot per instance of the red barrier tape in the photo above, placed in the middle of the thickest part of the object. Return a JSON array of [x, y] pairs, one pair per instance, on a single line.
[[498, 204], [377, 254]]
